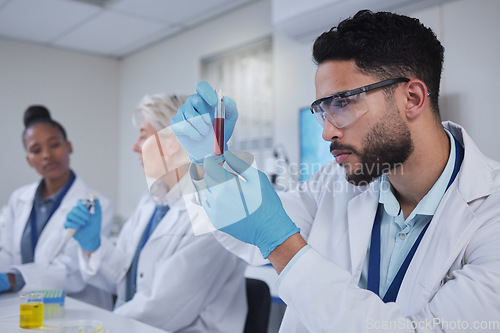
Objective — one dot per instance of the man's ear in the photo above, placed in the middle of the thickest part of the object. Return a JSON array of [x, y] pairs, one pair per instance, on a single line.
[[417, 98], [70, 147]]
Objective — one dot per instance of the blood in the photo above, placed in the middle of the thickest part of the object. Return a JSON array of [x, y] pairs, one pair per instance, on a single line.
[[219, 136]]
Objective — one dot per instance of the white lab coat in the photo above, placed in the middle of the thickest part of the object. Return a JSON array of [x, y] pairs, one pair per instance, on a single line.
[[185, 283], [63, 272], [454, 277]]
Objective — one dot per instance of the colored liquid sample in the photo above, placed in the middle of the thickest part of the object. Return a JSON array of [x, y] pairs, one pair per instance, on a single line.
[[31, 315], [219, 136]]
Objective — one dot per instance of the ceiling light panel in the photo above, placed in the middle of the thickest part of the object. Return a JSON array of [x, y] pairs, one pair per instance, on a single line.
[[108, 32], [144, 42]]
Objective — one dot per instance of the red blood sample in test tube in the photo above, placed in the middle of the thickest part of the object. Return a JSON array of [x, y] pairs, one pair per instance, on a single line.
[[220, 113]]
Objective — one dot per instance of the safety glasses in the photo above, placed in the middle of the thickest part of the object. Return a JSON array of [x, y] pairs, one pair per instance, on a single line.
[[344, 108]]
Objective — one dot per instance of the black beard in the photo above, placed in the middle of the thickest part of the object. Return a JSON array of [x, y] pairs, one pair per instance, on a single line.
[[386, 146]]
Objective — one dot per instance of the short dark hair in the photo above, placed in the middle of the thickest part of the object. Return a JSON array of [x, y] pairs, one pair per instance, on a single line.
[[386, 45], [39, 114]]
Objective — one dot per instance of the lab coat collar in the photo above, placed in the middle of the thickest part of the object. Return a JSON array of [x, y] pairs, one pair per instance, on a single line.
[[53, 231], [28, 193], [479, 167], [475, 166], [476, 179], [430, 202], [26, 197], [455, 218], [174, 194], [175, 198]]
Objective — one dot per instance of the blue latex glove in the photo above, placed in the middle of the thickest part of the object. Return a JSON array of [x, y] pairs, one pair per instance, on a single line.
[[193, 123], [249, 209], [88, 234], [4, 282]]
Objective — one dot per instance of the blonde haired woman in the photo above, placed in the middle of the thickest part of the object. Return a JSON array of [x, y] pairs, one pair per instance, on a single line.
[[162, 273]]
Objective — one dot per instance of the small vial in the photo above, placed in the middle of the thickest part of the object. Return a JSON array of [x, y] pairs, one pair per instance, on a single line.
[[220, 114], [90, 203]]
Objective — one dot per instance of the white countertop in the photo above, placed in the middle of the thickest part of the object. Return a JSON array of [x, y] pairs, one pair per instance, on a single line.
[[73, 310]]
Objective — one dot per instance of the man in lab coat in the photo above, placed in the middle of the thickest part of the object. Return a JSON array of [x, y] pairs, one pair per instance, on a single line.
[[401, 232]]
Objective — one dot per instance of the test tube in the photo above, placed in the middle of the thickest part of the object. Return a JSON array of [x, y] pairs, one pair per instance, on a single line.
[[220, 114], [90, 203]]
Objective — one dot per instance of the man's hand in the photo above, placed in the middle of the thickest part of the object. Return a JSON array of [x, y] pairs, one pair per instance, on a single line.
[[245, 205]]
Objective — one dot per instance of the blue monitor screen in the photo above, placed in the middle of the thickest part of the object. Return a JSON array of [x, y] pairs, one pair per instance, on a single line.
[[314, 151]]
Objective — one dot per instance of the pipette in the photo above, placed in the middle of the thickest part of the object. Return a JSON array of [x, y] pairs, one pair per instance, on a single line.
[[220, 114], [70, 232]]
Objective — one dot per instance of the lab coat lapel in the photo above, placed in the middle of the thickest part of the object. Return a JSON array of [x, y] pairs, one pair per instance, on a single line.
[[451, 228], [479, 172], [436, 253], [166, 225], [54, 231], [134, 227], [25, 206], [169, 226], [361, 212]]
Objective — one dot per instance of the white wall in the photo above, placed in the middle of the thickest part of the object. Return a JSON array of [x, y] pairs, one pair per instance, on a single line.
[[470, 33], [82, 93]]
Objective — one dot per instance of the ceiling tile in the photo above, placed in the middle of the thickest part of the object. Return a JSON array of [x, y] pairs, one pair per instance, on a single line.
[[109, 32], [205, 9], [42, 21], [116, 29], [160, 10], [186, 12], [144, 42]]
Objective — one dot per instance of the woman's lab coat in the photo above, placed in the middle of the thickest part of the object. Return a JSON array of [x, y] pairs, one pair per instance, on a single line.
[[63, 271], [185, 283], [453, 279]]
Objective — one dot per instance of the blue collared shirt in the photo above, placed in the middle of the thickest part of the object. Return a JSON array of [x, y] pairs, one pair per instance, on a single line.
[[399, 234]]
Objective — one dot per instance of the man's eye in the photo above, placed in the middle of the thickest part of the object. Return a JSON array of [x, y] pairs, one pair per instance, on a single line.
[[340, 103]]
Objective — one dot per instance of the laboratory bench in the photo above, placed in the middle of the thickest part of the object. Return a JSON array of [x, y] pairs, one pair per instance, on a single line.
[[74, 311]]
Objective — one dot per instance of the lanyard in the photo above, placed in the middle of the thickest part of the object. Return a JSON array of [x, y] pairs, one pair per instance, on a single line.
[[374, 261], [57, 203]]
